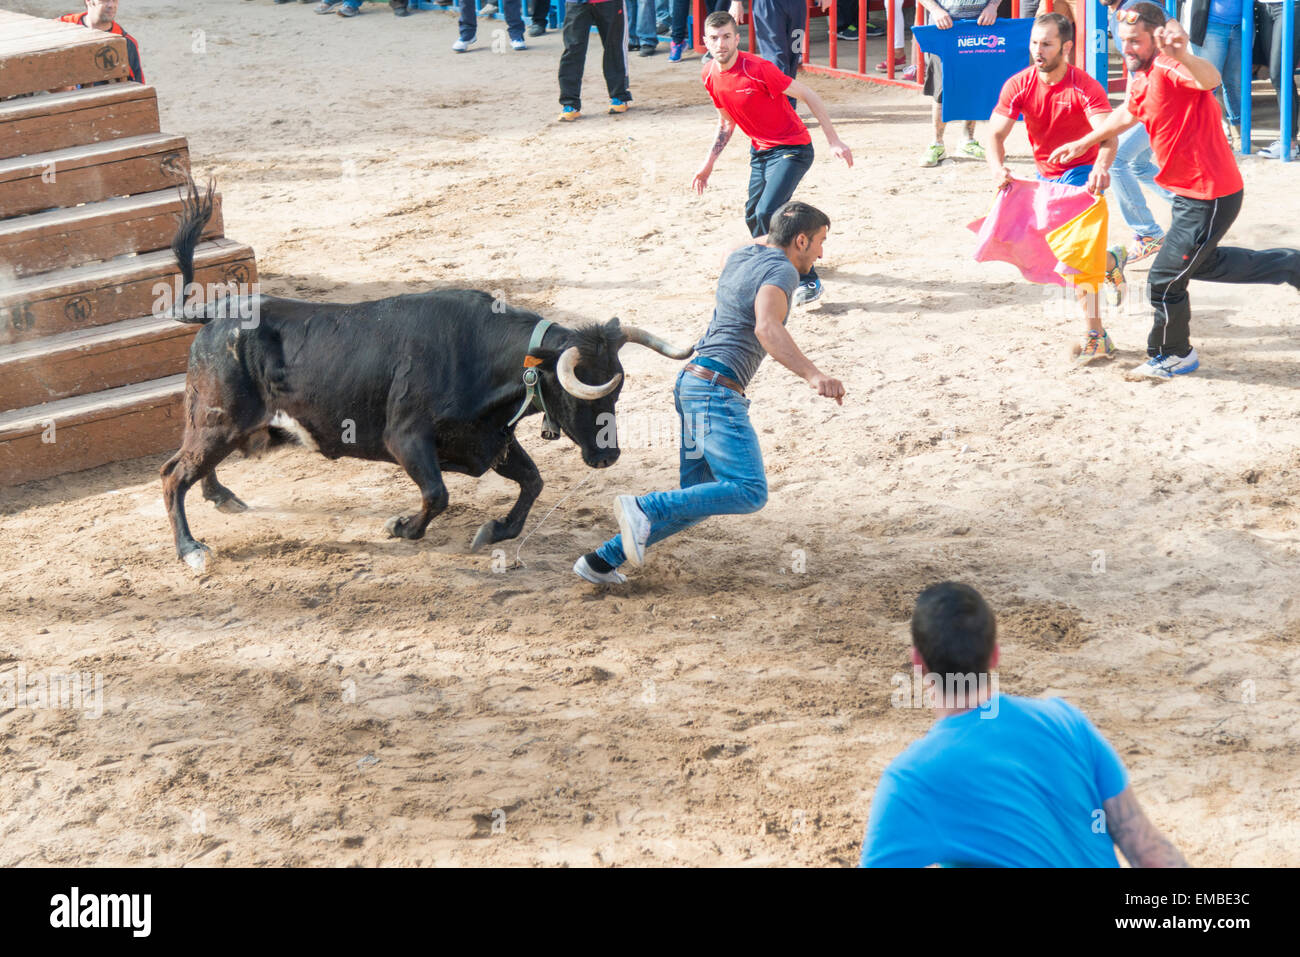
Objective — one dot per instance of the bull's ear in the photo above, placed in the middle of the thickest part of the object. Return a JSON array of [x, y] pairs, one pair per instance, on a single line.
[[613, 328]]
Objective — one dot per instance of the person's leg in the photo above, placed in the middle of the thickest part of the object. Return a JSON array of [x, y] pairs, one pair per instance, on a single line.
[[611, 24], [1131, 156], [468, 22], [1276, 70], [1029, 8], [1232, 78], [933, 87], [680, 12], [538, 11], [784, 169], [646, 34], [577, 29], [514, 11], [1198, 225], [757, 181], [1249, 266]]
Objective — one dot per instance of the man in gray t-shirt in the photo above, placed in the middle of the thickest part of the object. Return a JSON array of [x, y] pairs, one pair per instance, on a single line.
[[721, 463]]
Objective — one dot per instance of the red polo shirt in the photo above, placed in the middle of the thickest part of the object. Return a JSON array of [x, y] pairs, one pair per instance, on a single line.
[[1186, 131], [752, 93], [1054, 115]]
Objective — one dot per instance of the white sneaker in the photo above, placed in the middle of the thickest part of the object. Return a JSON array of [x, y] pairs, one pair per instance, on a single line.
[[633, 526], [611, 577], [519, 44], [1274, 151], [487, 10], [460, 46], [1165, 367]]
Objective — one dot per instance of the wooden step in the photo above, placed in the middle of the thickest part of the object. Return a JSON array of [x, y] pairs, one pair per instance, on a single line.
[[57, 121], [92, 360], [40, 242], [48, 55], [85, 296], [90, 173], [91, 430]]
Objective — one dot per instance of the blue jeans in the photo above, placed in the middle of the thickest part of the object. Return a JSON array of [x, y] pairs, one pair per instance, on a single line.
[[720, 461], [1222, 47], [1133, 167], [513, 9], [1074, 176], [643, 27]]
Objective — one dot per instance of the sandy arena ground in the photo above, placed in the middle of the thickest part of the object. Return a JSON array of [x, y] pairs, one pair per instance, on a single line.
[[328, 696]]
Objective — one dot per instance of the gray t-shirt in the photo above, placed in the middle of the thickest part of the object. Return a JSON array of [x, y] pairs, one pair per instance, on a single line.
[[730, 338], [962, 9]]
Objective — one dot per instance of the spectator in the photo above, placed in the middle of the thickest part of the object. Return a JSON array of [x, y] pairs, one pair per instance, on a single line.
[[942, 13], [102, 15], [1270, 35], [469, 24], [1000, 781], [779, 30], [610, 22], [1134, 168], [900, 45], [352, 8], [1214, 28], [677, 28]]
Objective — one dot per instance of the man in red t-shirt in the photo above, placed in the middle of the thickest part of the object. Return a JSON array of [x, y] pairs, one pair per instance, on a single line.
[[1060, 102], [1171, 92], [751, 93], [102, 15]]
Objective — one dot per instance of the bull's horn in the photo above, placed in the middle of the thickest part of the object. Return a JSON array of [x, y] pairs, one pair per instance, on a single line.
[[651, 341], [566, 370]]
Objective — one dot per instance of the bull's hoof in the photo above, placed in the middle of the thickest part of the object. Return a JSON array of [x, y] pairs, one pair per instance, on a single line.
[[231, 505], [403, 526], [486, 535], [197, 558]]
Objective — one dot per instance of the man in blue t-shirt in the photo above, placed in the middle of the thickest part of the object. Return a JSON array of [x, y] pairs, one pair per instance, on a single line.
[[1000, 781], [720, 460]]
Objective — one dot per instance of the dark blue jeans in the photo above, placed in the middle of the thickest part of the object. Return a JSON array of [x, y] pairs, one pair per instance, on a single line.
[[773, 176]]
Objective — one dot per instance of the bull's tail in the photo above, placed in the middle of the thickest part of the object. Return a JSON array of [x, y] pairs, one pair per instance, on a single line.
[[196, 210]]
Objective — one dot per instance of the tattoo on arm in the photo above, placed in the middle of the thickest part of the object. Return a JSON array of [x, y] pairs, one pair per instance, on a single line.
[[724, 137], [1142, 843]]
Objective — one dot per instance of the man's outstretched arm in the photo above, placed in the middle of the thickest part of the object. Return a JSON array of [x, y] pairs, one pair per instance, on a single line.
[[770, 308], [818, 107], [1140, 840]]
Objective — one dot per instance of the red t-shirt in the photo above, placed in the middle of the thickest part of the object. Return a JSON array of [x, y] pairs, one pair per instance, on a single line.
[[1186, 131], [132, 48], [1054, 115], [752, 93]]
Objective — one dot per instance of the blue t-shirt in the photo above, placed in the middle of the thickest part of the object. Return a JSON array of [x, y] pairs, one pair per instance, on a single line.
[[1022, 787], [976, 62], [1225, 11]]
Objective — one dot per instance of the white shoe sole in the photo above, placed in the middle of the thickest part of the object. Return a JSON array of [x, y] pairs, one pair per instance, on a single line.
[[587, 573], [633, 550]]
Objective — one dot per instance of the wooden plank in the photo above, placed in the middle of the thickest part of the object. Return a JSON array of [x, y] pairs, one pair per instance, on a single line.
[[55, 121], [90, 173], [92, 360], [40, 242], [87, 296], [91, 57], [89, 431]]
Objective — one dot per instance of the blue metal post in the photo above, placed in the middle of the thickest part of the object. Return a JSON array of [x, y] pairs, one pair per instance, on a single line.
[[1098, 49], [1288, 71], [1247, 72]]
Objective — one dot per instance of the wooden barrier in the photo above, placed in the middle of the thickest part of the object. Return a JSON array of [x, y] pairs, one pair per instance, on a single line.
[[91, 365]]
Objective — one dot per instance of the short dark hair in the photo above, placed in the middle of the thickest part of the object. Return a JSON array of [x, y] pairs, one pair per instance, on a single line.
[[1149, 14], [1064, 28], [795, 219], [953, 629], [720, 18]]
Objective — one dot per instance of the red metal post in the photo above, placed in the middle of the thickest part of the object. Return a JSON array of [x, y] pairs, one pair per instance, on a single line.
[[917, 57], [1081, 30], [1015, 9], [697, 11], [831, 34], [862, 34]]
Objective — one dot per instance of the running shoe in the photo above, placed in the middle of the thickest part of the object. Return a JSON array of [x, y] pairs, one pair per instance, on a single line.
[[1115, 275], [972, 149], [633, 526], [346, 11], [537, 29], [618, 106], [873, 30], [675, 51], [518, 45], [569, 115], [1095, 347], [850, 33], [934, 155], [327, 6], [1164, 367], [582, 568], [808, 292], [460, 46], [1274, 151], [1143, 247]]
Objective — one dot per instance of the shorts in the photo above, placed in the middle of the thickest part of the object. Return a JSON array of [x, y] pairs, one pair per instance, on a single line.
[[1074, 176], [933, 77]]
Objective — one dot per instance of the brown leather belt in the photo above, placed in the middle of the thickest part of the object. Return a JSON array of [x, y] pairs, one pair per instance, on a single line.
[[708, 375]]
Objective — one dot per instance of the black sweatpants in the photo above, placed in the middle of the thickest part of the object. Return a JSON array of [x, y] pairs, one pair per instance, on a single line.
[[611, 23], [538, 11], [1192, 251]]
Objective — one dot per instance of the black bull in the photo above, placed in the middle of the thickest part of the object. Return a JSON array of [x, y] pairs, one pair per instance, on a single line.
[[430, 381]]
